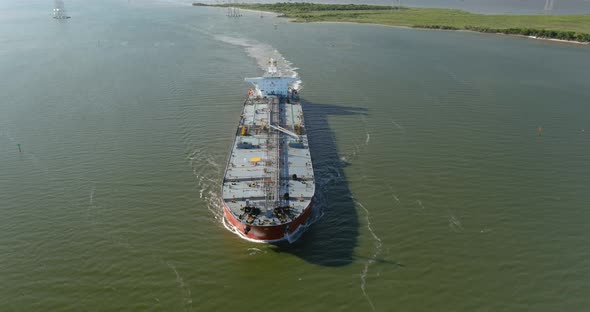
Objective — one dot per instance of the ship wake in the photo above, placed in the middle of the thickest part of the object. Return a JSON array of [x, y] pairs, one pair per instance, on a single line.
[[262, 52], [378, 245], [207, 181]]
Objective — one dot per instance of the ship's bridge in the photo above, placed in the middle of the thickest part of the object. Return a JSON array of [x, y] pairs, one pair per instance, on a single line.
[[272, 83]]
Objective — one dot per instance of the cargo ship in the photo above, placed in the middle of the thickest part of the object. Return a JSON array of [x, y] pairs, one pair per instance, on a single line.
[[268, 185]]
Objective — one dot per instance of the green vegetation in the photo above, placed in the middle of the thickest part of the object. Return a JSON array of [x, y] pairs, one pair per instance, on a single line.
[[300, 7], [566, 27]]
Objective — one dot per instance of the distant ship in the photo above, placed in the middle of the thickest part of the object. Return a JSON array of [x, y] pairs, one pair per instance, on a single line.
[[268, 185], [59, 11]]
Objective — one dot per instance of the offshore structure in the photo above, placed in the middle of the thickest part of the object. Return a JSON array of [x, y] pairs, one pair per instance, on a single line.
[[268, 185], [233, 11], [59, 11]]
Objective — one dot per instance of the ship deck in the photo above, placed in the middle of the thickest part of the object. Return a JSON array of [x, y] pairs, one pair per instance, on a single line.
[[269, 177]]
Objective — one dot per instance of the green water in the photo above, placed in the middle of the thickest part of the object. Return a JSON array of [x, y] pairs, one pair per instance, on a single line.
[[437, 192]]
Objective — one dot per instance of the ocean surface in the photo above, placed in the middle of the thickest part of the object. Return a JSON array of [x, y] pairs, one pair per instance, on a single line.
[[452, 167]]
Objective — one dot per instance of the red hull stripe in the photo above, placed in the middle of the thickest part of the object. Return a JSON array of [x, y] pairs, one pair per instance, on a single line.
[[267, 233]]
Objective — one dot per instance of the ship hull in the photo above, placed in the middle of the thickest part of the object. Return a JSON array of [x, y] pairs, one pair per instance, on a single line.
[[268, 234], [268, 184]]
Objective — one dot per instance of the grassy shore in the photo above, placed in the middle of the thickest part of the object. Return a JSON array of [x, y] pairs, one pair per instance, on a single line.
[[564, 27]]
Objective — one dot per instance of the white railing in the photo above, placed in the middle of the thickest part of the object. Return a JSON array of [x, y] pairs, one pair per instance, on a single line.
[[279, 128]]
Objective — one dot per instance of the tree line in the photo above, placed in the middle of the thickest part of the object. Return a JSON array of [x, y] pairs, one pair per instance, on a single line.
[[540, 33]]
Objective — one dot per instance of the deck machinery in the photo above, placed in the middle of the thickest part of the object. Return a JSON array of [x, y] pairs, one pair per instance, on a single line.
[[268, 185]]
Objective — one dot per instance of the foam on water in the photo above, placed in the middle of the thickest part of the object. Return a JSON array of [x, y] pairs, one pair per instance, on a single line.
[[393, 194], [398, 125], [378, 247], [419, 202], [454, 223], [184, 288], [207, 181]]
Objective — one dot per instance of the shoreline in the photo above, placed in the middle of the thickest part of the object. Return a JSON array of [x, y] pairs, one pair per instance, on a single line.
[[459, 30], [556, 40], [265, 12], [573, 29]]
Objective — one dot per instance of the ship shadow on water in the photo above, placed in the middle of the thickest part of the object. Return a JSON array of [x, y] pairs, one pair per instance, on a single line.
[[331, 240]]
